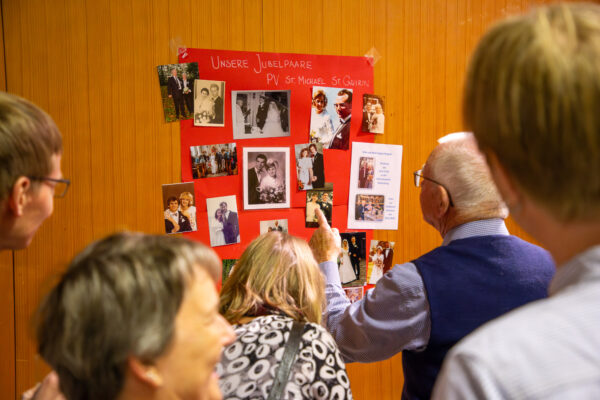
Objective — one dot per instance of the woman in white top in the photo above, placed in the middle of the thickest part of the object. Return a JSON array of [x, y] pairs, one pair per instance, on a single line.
[[311, 207], [206, 107], [378, 120], [305, 169], [271, 188], [213, 161], [321, 127], [186, 199], [346, 271], [377, 271], [217, 237]]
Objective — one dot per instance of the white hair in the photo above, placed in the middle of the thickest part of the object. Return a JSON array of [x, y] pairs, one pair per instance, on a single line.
[[458, 164]]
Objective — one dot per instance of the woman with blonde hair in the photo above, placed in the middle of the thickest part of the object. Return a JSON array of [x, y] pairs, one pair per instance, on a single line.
[[274, 286], [186, 201]]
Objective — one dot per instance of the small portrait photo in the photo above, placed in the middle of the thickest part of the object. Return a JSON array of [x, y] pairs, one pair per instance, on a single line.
[[179, 209], [330, 117], [369, 207], [274, 225], [208, 103], [223, 220], [366, 172], [318, 198], [227, 268], [266, 177], [177, 90], [354, 293], [382, 256], [352, 261], [373, 118], [309, 166], [213, 160], [260, 114]]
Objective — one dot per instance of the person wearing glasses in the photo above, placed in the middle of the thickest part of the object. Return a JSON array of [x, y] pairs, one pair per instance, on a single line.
[[423, 307], [30, 154], [542, 143]]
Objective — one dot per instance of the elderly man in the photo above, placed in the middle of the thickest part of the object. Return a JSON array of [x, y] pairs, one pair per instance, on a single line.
[[542, 141], [31, 177], [425, 306]]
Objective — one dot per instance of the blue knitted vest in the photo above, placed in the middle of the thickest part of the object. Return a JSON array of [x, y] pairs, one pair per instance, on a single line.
[[469, 282]]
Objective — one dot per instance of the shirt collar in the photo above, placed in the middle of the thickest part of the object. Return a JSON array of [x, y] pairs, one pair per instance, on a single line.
[[483, 227], [583, 267]]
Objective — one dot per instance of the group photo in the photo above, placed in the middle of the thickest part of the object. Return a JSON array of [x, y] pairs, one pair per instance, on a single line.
[[214, 160], [179, 209], [266, 180], [260, 114], [369, 207]]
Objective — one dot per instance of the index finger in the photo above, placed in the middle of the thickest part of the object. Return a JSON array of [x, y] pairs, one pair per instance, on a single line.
[[321, 219]]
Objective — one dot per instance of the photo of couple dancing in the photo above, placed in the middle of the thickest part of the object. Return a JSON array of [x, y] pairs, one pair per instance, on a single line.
[[208, 103], [213, 160], [309, 166], [223, 220], [258, 114], [266, 179]]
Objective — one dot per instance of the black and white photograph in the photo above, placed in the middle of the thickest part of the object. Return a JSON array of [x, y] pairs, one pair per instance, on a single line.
[[260, 114], [223, 220], [331, 116], [322, 199], [179, 209], [266, 177], [369, 207], [309, 166], [213, 160], [209, 103], [366, 172], [275, 225], [373, 120], [177, 90], [352, 259]]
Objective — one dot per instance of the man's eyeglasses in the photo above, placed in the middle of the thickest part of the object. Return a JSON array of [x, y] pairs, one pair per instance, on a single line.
[[419, 179], [60, 186]]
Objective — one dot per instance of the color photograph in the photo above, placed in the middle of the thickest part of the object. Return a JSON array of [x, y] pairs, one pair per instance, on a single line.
[[352, 259], [373, 120], [318, 199], [354, 293], [223, 220], [260, 114], [369, 207], [275, 225], [213, 160], [177, 90], [309, 166], [330, 118], [382, 256], [179, 209], [366, 172]]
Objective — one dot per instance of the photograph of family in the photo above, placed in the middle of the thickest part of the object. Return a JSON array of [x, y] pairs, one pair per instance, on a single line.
[[208, 103], [369, 207], [315, 199], [260, 114], [330, 117], [366, 172], [213, 160], [352, 260], [373, 119], [354, 293], [223, 220], [382, 258], [179, 210], [275, 225], [177, 90], [309, 166], [266, 178]]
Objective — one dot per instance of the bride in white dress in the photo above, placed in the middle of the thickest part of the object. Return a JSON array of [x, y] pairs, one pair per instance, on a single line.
[[217, 237], [273, 122], [213, 161], [346, 272], [305, 171], [377, 271]]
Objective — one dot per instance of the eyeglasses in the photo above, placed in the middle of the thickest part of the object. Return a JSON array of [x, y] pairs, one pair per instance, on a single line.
[[61, 186], [418, 181]]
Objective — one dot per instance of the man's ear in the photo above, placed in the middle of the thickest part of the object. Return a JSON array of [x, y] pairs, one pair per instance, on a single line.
[[505, 183], [147, 374], [19, 196], [442, 201]]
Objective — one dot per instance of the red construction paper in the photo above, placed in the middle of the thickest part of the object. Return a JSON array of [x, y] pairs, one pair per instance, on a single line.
[[274, 71]]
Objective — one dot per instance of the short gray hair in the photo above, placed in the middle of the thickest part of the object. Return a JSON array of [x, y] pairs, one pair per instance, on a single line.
[[118, 298], [28, 140], [462, 168]]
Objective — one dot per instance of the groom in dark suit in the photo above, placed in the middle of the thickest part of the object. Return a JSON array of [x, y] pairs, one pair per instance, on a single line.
[[255, 174], [188, 93], [175, 91], [318, 169], [218, 100], [343, 107], [355, 255], [231, 228]]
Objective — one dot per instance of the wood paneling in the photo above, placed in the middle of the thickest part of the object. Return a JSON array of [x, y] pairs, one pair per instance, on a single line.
[[91, 64]]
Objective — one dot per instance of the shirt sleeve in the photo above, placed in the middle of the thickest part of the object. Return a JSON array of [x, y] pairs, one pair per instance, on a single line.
[[392, 317]]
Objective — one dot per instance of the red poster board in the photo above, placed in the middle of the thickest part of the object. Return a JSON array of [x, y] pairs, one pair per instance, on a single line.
[[273, 71]]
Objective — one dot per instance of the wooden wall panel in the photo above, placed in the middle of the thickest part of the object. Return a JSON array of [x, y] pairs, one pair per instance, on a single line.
[[92, 65]]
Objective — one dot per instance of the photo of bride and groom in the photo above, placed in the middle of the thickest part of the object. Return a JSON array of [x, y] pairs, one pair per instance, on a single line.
[[260, 114], [266, 179], [223, 220]]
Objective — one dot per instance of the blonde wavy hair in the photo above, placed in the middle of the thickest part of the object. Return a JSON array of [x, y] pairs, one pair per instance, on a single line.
[[275, 271]]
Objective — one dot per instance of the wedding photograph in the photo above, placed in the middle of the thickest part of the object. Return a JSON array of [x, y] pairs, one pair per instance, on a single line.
[[309, 166], [260, 114], [354, 293], [381, 254], [330, 117], [177, 90], [275, 225], [266, 177], [366, 172], [213, 160], [352, 259], [179, 211], [223, 220], [209, 105], [318, 199], [373, 119]]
